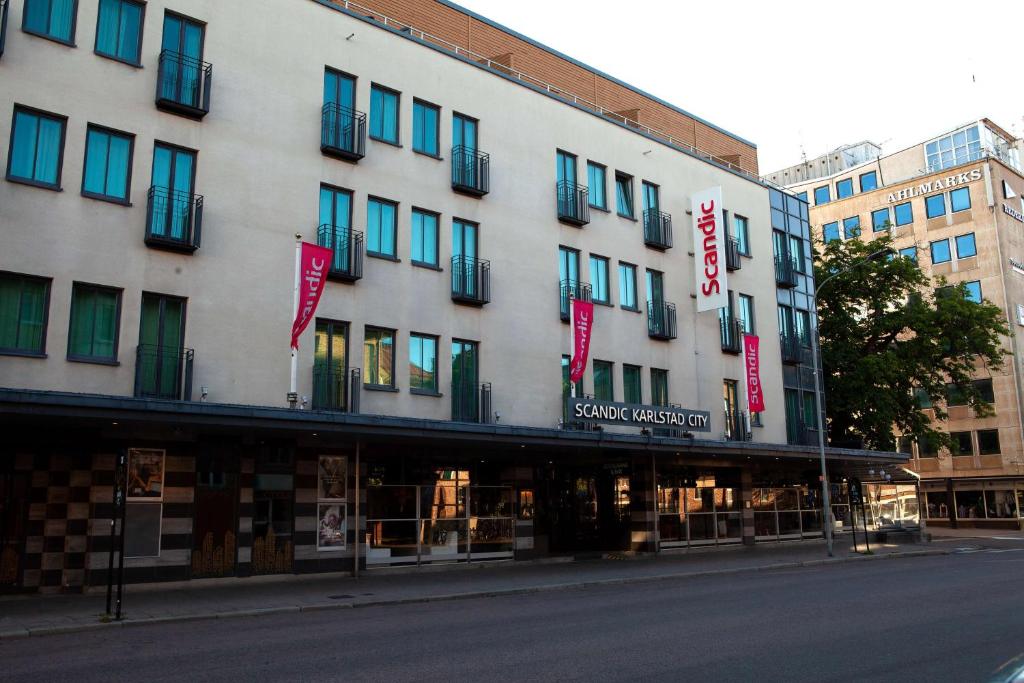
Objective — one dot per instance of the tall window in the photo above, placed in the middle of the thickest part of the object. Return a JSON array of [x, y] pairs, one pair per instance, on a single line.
[[868, 181], [423, 363], [24, 301], [741, 231], [851, 227], [379, 357], [380, 227], [659, 387], [330, 365], [746, 313], [786, 325], [904, 213], [624, 194], [965, 246], [604, 389], [108, 160], [599, 279], [425, 127], [935, 206], [181, 74], [119, 30], [940, 251], [566, 387], [960, 199], [424, 237], [830, 231], [796, 252], [596, 184], [172, 183], [384, 114], [568, 265], [655, 286], [650, 196], [158, 370], [54, 19], [821, 195], [627, 286], [37, 148], [335, 225], [880, 220], [844, 188], [803, 327], [465, 375], [631, 392], [95, 317]]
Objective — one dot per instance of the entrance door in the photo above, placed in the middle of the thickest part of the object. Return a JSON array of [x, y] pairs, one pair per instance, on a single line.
[[589, 509], [14, 496], [465, 407], [465, 134], [173, 182], [161, 337], [183, 71], [216, 519], [273, 519]]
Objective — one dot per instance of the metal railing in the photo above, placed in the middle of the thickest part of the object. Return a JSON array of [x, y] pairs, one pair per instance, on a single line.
[[785, 270], [342, 132], [791, 348], [736, 426], [3, 25], [183, 84], [347, 245], [471, 402], [163, 372], [579, 290], [174, 219], [471, 171], [330, 390], [798, 433], [731, 332], [657, 229], [661, 320], [732, 254], [573, 205], [471, 280]]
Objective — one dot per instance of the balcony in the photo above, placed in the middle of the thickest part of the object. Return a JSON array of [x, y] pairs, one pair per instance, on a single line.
[[792, 350], [732, 254], [737, 428], [798, 433], [174, 219], [578, 290], [471, 171], [471, 280], [183, 85], [471, 402], [785, 271], [657, 229], [163, 372], [3, 25], [342, 132], [332, 392], [731, 331], [661, 320], [573, 205], [347, 261]]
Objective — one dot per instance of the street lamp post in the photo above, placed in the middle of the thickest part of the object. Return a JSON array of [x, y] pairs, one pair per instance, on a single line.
[[819, 387]]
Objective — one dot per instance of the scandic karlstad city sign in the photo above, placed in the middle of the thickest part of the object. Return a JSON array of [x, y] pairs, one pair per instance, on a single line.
[[637, 415]]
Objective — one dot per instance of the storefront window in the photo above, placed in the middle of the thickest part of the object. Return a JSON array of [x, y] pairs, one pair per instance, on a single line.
[[1001, 504], [144, 513], [937, 505], [969, 505]]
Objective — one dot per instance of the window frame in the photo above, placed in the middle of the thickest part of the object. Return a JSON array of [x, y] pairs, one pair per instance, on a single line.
[[437, 238], [604, 186], [839, 194], [631, 267], [416, 101], [98, 360], [639, 381], [874, 177], [752, 323], [609, 367], [630, 195], [70, 42], [828, 190], [48, 286], [896, 214], [381, 254], [931, 252], [904, 255], [998, 443], [967, 285], [960, 191], [855, 226], [825, 230], [874, 222], [419, 390], [397, 142], [742, 236], [128, 175], [138, 48], [974, 245], [591, 258], [39, 113], [929, 201], [394, 352]]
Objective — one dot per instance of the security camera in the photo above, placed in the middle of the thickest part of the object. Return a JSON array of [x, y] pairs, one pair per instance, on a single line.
[[203, 393]]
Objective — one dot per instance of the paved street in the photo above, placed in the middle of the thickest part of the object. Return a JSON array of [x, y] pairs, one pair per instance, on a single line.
[[955, 617]]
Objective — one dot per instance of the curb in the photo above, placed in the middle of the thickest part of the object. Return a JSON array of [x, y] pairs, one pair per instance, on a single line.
[[450, 597]]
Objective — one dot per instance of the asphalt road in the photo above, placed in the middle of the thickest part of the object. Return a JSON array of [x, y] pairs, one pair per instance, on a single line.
[[950, 618]]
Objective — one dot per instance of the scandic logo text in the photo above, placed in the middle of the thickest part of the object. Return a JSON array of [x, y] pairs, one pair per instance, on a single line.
[[706, 224]]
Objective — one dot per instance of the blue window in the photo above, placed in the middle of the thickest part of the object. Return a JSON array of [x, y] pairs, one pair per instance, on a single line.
[[935, 206], [821, 195], [868, 181], [119, 30], [973, 291], [904, 213], [51, 19], [425, 118], [909, 253], [627, 286], [596, 185], [851, 227], [844, 188], [965, 246], [599, 279], [802, 196], [624, 194], [424, 237], [37, 148], [108, 161], [960, 199], [384, 114], [380, 227], [880, 220], [940, 251], [831, 231]]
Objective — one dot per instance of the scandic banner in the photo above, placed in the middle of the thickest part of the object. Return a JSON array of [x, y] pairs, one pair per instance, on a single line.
[[752, 369], [709, 236], [313, 266], [582, 322]]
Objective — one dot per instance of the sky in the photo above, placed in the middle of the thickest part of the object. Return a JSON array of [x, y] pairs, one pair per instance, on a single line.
[[797, 76]]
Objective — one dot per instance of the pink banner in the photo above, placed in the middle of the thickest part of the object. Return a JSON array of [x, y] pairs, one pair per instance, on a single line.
[[752, 366], [313, 264], [582, 322]]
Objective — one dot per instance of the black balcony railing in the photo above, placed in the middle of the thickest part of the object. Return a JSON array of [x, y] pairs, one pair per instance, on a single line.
[[163, 372], [785, 271], [732, 254], [792, 350], [799, 433], [330, 390], [471, 280], [347, 245], [578, 290], [471, 402], [657, 229], [183, 85], [573, 204], [661, 320], [3, 25], [342, 132], [736, 426], [731, 330], [471, 171], [174, 219]]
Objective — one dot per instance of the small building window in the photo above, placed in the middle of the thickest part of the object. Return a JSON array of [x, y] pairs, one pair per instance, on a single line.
[[831, 231], [940, 251], [119, 30], [973, 291], [384, 114], [108, 164], [604, 384], [909, 253], [851, 227], [423, 363], [627, 286], [53, 19], [379, 357], [37, 148], [844, 188], [624, 194], [599, 279], [95, 319], [988, 442], [424, 237], [960, 199], [631, 391], [425, 127], [965, 246], [963, 444], [880, 220], [821, 195], [935, 206], [868, 181], [904, 214], [741, 231], [24, 303], [381, 227], [596, 185]]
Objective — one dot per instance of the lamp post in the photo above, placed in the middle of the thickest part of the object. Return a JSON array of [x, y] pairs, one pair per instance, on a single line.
[[819, 387]]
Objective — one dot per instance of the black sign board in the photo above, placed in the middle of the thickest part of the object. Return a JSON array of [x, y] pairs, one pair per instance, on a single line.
[[637, 415]]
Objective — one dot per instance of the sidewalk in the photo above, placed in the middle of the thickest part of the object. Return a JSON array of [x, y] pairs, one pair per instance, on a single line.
[[22, 616]]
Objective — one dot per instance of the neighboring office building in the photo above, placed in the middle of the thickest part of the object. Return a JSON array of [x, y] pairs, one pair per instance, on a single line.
[[145, 309], [954, 204]]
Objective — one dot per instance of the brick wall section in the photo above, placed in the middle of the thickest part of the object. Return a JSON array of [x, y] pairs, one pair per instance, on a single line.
[[465, 31]]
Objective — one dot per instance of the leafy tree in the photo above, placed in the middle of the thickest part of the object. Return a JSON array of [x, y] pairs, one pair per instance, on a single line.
[[890, 338]]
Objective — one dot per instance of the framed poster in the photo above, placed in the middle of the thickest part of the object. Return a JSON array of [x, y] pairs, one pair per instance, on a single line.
[[331, 526], [145, 474], [331, 477]]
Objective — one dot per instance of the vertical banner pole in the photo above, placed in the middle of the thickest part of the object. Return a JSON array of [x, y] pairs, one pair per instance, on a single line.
[[122, 483], [572, 342], [294, 383], [355, 556]]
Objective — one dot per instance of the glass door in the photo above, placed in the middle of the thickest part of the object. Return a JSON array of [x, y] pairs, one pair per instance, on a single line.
[[335, 225], [173, 179], [655, 287], [464, 381], [730, 403], [651, 197], [464, 248], [183, 70], [566, 174], [161, 338], [339, 109], [568, 276], [330, 365], [464, 146]]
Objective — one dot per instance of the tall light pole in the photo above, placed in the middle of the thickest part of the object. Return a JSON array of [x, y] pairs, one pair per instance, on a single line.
[[819, 388]]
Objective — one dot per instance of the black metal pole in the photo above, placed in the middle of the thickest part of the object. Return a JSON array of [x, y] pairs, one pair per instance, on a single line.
[[114, 508], [123, 487], [867, 543]]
